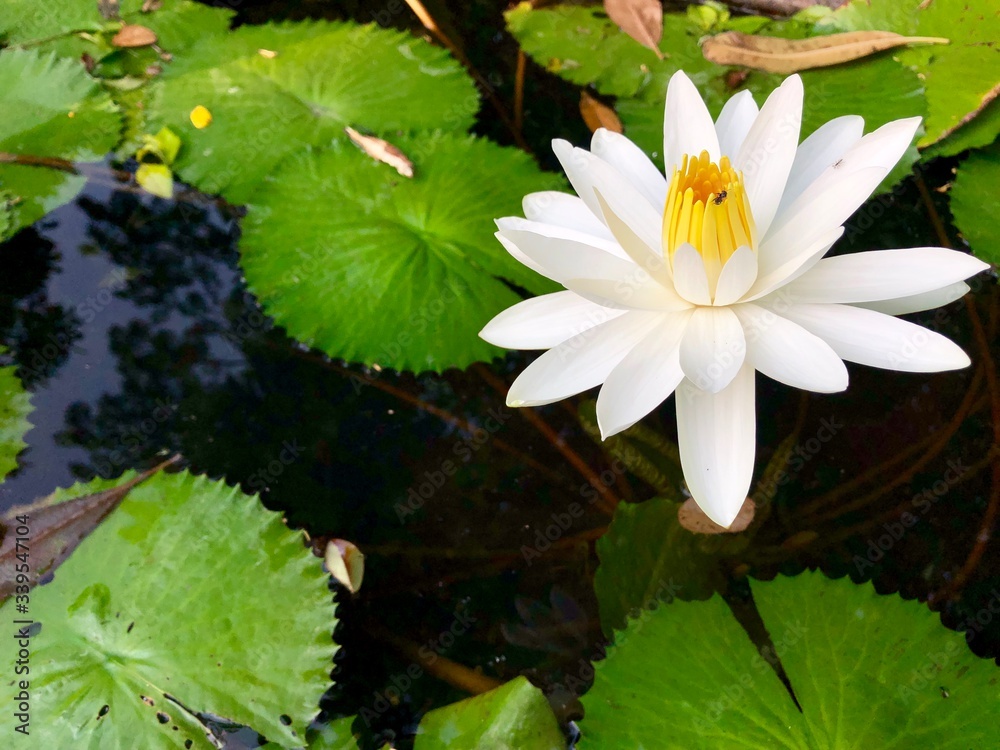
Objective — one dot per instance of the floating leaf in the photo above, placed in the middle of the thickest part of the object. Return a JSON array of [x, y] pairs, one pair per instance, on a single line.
[[869, 671], [323, 77], [15, 406], [597, 114], [776, 55], [188, 599], [640, 19], [382, 151], [57, 527], [382, 270], [52, 108], [156, 179], [648, 557], [975, 202], [514, 716]]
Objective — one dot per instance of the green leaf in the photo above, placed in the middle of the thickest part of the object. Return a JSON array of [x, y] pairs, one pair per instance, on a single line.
[[156, 179], [878, 88], [975, 202], [189, 598], [321, 77], [647, 557], [337, 735], [56, 26], [514, 716], [869, 671], [15, 406], [52, 109], [371, 267]]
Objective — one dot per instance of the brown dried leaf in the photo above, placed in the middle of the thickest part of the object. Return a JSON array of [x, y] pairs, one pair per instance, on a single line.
[[597, 114], [382, 151], [775, 55], [640, 19], [132, 35], [346, 563], [56, 529], [148, 6], [693, 518]]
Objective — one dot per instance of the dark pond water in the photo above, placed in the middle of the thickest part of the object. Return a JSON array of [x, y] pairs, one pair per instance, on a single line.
[[132, 329]]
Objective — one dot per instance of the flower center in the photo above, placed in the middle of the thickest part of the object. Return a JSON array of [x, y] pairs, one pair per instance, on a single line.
[[707, 206]]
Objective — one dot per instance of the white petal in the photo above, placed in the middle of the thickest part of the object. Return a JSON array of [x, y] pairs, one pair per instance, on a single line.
[[690, 279], [737, 276], [516, 223], [581, 362], [520, 257], [713, 348], [563, 210], [788, 353], [918, 302], [647, 257], [687, 125], [814, 215], [768, 151], [717, 439], [587, 172], [735, 119], [633, 164], [546, 321], [884, 274], [872, 338], [636, 291], [560, 259], [874, 155], [644, 379], [771, 278], [822, 148]]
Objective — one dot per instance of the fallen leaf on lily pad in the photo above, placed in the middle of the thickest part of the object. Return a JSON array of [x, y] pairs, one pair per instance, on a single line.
[[640, 19], [383, 151], [775, 55], [133, 35], [693, 518]]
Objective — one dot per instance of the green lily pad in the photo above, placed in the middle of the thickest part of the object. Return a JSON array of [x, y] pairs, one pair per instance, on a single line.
[[975, 203], [647, 557], [190, 598], [274, 90], [52, 109], [514, 716], [15, 406], [878, 88], [371, 267], [869, 671], [176, 23]]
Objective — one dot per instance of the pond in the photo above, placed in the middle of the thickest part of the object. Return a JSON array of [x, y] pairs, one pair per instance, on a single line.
[[131, 324]]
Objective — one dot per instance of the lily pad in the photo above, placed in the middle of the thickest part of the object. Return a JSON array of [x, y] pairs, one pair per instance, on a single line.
[[190, 600], [52, 109], [868, 671], [514, 716], [15, 406], [372, 267], [975, 203], [647, 557], [273, 90]]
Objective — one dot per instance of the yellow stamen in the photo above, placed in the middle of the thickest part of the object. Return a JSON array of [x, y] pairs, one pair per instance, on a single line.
[[707, 206]]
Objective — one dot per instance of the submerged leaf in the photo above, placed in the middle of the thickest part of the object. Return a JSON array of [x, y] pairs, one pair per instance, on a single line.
[[189, 601], [597, 114], [693, 518], [868, 671], [776, 55], [640, 19]]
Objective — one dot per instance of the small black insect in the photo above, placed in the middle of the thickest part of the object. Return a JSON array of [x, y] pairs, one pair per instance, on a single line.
[[719, 198]]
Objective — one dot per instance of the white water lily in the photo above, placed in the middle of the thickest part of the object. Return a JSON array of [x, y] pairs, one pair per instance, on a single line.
[[692, 281]]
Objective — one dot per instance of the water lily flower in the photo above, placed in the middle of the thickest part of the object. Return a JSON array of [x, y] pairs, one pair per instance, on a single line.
[[693, 280]]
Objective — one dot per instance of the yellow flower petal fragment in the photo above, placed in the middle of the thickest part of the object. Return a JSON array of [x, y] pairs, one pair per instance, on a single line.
[[201, 117]]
